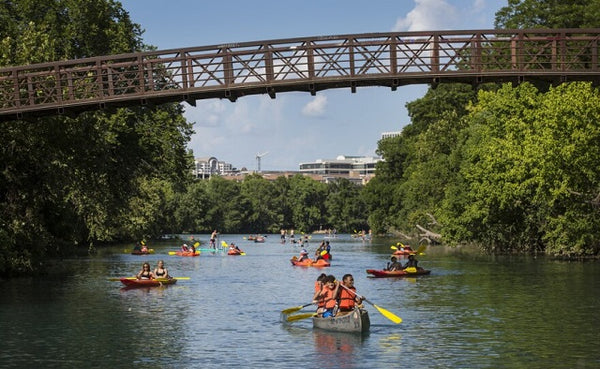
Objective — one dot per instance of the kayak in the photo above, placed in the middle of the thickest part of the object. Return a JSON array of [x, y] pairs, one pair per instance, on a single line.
[[396, 273], [234, 252], [140, 252], [357, 321], [259, 239], [404, 252], [310, 263], [187, 253], [131, 282]]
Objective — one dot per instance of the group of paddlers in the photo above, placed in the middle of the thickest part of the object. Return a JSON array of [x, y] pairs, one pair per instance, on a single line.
[[334, 297]]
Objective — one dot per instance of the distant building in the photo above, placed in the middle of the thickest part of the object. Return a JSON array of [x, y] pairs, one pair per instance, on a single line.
[[206, 167], [390, 134], [347, 166]]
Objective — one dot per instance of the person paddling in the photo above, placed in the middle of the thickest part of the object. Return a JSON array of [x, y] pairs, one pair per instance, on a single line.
[[160, 271], [303, 255], [145, 273], [328, 296], [347, 297]]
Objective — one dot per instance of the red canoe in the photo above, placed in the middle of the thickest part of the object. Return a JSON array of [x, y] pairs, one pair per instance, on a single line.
[[132, 282], [310, 263], [397, 273]]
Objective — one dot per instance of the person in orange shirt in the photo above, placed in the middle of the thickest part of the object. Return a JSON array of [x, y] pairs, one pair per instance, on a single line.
[[327, 296], [348, 298]]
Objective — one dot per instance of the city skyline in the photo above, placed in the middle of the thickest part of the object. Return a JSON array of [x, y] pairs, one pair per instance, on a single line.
[[297, 127]]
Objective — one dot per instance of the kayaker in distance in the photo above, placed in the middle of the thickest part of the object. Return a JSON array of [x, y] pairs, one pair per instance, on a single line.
[[185, 248], [303, 255], [213, 239], [160, 271], [347, 297], [412, 262], [145, 273], [394, 265]]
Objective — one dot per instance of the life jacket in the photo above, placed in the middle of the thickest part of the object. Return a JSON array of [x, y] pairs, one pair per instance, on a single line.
[[321, 300], [329, 298], [346, 299]]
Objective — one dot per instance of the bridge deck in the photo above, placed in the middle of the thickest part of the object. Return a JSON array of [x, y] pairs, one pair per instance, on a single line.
[[306, 64]]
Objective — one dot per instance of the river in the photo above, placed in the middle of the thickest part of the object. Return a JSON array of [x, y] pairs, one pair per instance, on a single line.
[[472, 311]]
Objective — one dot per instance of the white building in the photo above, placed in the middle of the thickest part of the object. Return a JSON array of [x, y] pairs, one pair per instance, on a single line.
[[350, 166], [206, 167], [390, 134]]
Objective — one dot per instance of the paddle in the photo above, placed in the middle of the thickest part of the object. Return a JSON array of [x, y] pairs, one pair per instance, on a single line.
[[157, 279], [388, 314], [294, 309], [293, 318]]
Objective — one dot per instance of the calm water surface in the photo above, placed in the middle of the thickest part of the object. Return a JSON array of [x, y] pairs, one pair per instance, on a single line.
[[473, 311]]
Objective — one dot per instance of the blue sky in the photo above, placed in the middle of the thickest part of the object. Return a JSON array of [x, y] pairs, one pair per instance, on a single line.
[[297, 127]]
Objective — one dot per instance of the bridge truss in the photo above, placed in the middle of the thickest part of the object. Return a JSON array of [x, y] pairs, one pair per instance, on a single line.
[[308, 64]]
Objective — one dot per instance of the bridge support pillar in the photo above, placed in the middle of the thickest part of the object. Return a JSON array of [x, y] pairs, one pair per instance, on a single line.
[[271, 92], [311, 88], [230, 96], [394, 85], [188, 100], [353, 87]]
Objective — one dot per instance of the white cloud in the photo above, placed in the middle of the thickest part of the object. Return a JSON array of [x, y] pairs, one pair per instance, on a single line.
[[428, 15], [316, 107]]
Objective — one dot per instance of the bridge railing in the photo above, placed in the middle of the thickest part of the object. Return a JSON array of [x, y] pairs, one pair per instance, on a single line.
[[300, 64]]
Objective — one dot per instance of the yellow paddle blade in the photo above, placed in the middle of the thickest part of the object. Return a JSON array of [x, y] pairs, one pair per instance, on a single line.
[[172, 252], [242, 253], [291, 310], [388, 314], [197, 244], [224, 244], [393, 247], [293, 318], [420, 249]]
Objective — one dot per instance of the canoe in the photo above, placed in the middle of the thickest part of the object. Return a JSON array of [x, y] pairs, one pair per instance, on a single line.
[[147, 282], [357, 321], [187, 253], [140, 252], [397, 273], [310, 263]]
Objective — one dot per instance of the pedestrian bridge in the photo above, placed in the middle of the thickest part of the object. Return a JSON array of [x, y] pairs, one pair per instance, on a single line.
[[309, 64]]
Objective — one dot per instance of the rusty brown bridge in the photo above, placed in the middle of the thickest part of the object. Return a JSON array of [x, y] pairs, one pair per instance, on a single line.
[[309, 64]]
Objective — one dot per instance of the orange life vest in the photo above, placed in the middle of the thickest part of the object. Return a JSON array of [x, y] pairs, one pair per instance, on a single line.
[[346, 299]]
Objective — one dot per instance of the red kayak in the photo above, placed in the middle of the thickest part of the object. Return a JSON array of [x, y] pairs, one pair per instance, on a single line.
[[187, 253], [310, 263], [133, 282], [397, 273], [235, 252]]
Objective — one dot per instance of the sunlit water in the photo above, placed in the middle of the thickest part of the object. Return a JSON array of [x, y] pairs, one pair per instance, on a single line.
[[473, 311]]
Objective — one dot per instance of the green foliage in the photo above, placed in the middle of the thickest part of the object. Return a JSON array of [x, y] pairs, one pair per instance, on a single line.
[[102, 176], [525, 14]]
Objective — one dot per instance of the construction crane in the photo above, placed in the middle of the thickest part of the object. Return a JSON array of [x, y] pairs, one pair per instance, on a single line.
[[258, 156]]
